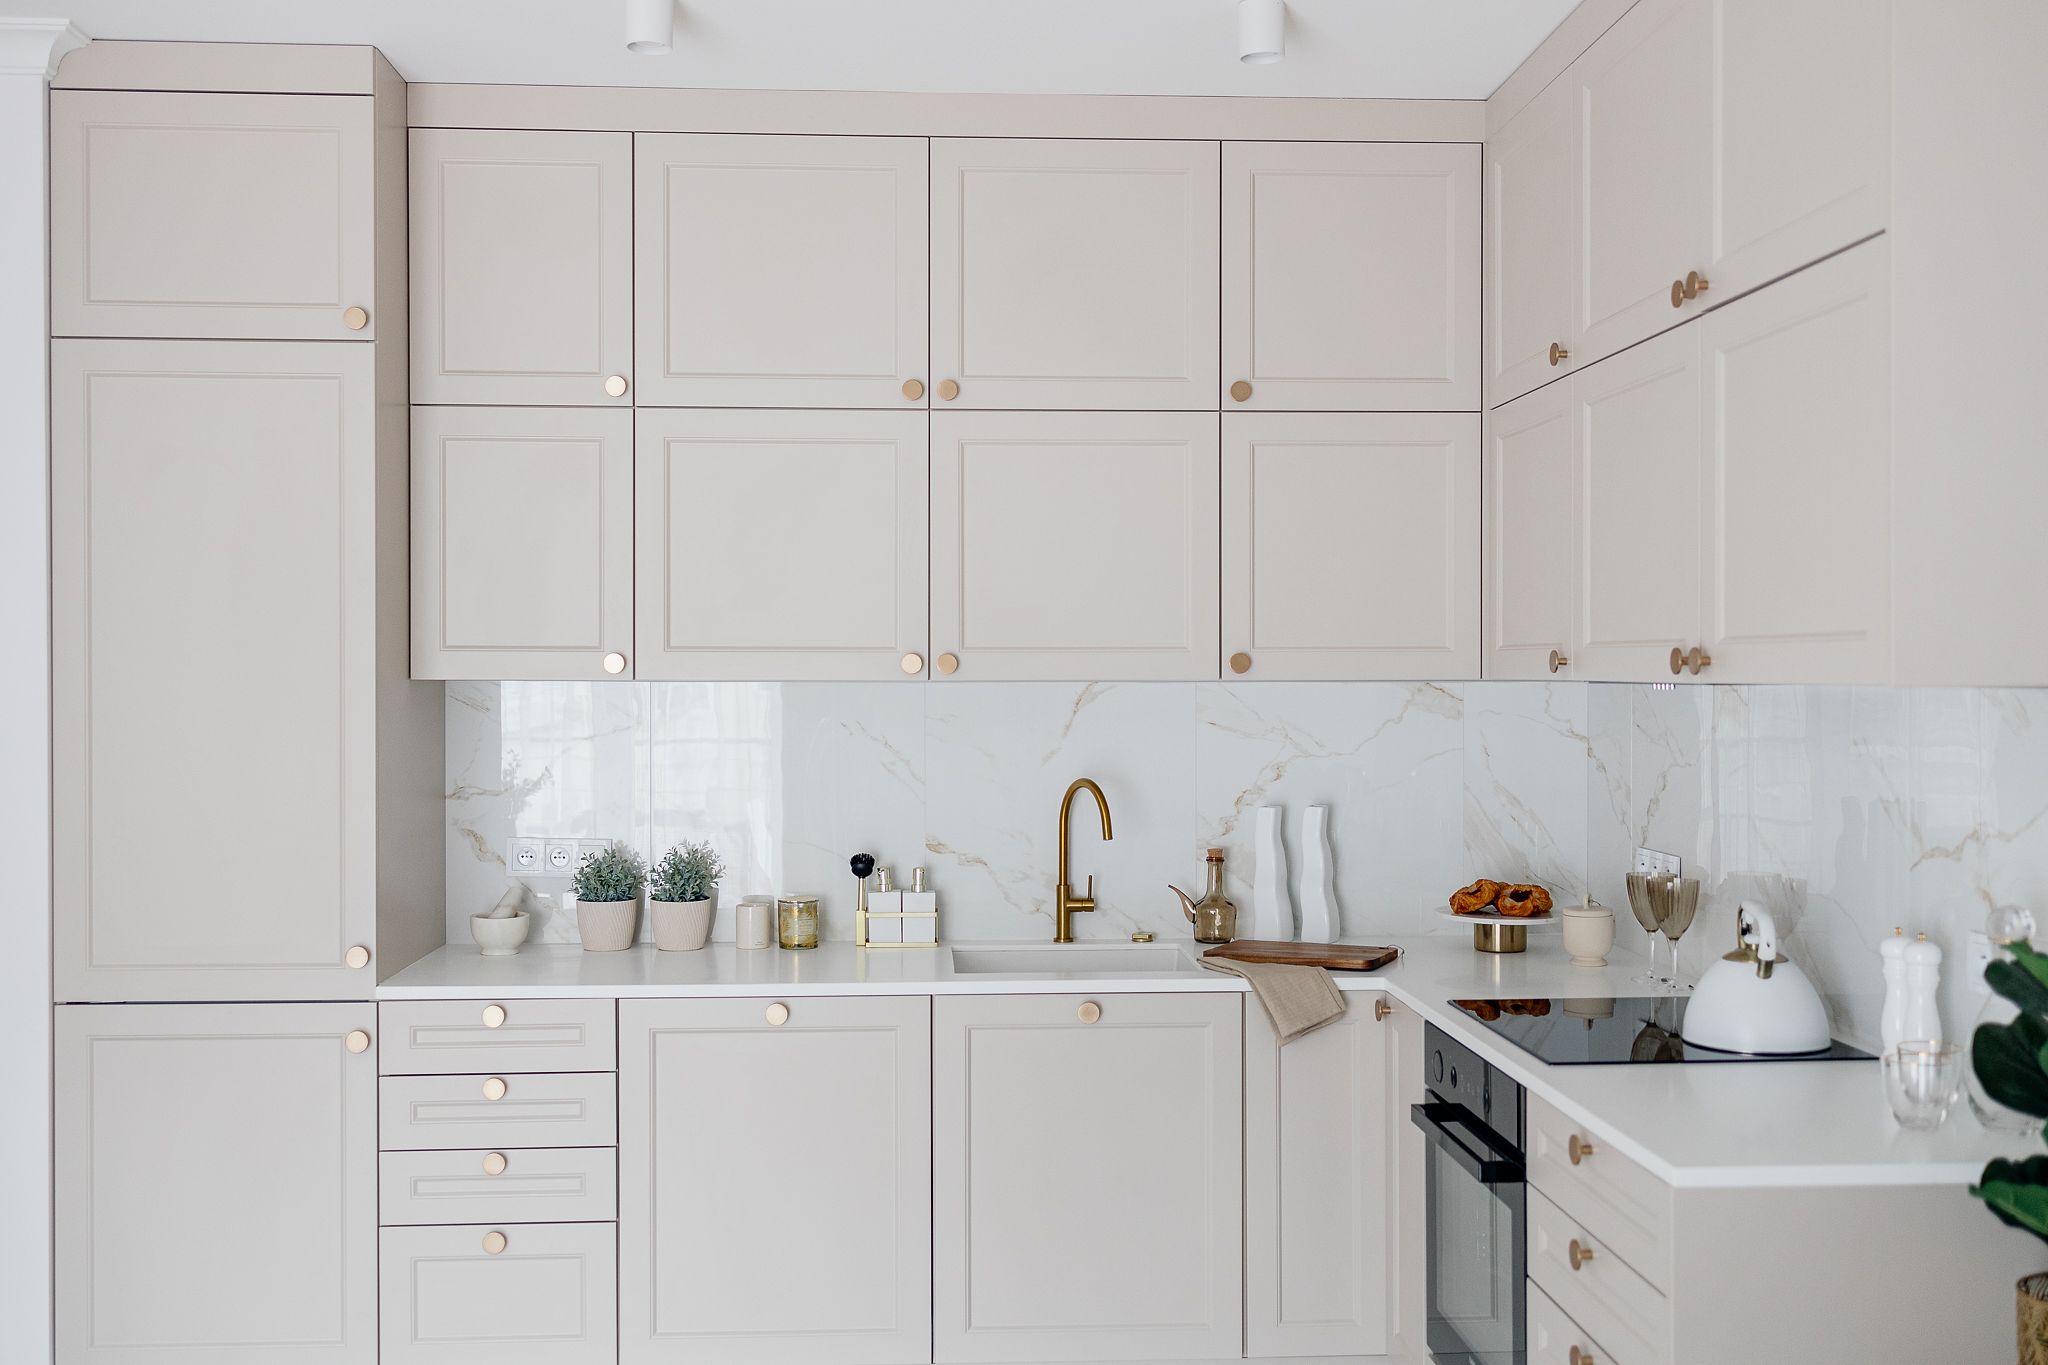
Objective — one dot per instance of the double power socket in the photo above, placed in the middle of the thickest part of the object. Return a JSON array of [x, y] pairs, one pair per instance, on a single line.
[[551, 857]]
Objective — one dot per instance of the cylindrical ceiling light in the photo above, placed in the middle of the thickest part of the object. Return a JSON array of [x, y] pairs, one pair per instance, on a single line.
[[650, 26], [1261, 31]]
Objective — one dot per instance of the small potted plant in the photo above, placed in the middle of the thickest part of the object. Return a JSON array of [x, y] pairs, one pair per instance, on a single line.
[[2011, 1062], [608, 899], [685, 892]]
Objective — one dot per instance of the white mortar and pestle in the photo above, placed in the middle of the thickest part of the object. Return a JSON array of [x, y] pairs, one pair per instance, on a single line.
[[500, 930]]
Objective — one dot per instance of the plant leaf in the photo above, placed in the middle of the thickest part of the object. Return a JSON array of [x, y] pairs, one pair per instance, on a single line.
[[2021, 980], [2008, 1062], [2017, 1192]]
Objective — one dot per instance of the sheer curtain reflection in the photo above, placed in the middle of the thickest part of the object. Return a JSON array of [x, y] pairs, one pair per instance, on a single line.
[[715, 764]]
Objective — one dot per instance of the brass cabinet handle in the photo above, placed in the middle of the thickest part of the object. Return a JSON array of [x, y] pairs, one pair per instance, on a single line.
[[1381, 1009], [1558, 354], [1240, 662], [1695, 284], [1558, 661], [494, 1243], [357, 1041], [357, 957], [1089, 1012], [1241, 391], [494, 1163], [913, 389], [949, 389], [777, 1013], [913, 663], [949, 664], [494, 1088], [1578, 1255], [1696, 659], [1579, 1148], [494, 1016], [615, 663], [615, 385], [1678, 293], [1579, 1357], [355, 317]]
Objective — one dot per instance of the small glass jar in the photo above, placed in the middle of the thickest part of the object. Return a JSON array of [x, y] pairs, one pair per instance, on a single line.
[[796, 921]]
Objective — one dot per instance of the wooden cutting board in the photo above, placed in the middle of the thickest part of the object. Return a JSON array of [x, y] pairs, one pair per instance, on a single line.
[[1337, 957]]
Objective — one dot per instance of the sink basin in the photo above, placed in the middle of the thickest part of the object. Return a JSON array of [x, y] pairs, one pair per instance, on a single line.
[[1139, 959]]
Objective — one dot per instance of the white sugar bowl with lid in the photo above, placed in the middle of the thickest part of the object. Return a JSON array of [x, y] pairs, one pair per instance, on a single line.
[[1588, 933]]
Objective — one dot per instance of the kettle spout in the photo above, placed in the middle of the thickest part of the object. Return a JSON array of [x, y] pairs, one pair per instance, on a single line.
[[1187, 903]]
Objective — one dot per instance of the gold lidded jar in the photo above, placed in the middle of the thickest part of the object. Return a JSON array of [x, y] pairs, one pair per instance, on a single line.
[[796, 921]]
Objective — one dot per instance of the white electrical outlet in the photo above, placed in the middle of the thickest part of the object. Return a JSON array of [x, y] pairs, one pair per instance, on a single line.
[[1980, 957], [560, 857], [586, 849], [525, 857], [1652, 863]]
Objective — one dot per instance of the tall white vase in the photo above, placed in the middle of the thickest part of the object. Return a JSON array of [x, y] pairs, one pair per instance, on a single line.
[[1272, 911], [1321, 921]]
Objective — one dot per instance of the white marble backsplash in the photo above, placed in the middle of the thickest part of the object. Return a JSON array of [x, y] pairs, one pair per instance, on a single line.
[[1429, 785]]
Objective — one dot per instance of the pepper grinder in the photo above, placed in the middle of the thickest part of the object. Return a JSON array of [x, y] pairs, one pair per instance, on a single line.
[[863, 866]]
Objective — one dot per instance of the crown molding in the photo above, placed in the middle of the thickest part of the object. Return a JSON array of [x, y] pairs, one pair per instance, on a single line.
[[33, 47]]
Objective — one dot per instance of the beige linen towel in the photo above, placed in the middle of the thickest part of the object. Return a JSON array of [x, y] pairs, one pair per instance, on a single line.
[[1297, 999]]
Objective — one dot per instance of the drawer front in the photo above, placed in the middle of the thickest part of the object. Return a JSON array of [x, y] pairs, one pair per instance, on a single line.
[[441, 1113], [523, 1185], [1601, 1294], [449, 1037], [1618, 1201], [547, 1296], [1553, 1336]]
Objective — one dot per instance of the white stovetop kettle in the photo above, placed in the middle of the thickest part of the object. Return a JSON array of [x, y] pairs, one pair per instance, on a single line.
[[1755, 999]]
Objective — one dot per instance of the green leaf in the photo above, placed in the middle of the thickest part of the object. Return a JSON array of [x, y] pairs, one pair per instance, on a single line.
[[2036, 963], [2008, 1062], [2017, 1192], [2019, 985]]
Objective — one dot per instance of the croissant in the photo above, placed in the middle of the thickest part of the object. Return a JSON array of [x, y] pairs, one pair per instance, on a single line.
[[1475, 898], [1522, 902]]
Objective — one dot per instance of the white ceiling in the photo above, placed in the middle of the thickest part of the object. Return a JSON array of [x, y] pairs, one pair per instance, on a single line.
[[1443, 49]]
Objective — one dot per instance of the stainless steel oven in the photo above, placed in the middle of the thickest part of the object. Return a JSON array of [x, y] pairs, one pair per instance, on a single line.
[[1477, 1207]]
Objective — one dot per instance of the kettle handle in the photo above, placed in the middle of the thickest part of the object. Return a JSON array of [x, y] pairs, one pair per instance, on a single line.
[[1187, 904], [1754, 925]]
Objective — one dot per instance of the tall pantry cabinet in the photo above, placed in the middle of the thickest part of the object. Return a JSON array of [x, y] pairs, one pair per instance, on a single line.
[[246, 784]]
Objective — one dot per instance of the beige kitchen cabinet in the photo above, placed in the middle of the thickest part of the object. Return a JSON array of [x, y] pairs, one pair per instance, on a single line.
[[216, 1184], [1074, 545], [1351, 545], [522, 266], [1317, 1200], [1351, 276], [214, 215], [228, 649], [781, 271], [781, 544], [1795, 424], [1071, 273], [522, 542], [1087, 1177], [775, 1181], [517, 1294], [1532, 246], [1532, 535]]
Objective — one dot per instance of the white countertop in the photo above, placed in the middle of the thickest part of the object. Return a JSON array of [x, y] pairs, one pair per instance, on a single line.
[[1763, 1124]]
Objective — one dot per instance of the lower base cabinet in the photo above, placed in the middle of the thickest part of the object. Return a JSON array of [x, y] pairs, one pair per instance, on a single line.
[[520, 1294]]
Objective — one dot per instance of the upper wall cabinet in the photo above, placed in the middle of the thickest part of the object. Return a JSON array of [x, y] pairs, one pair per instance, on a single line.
[[178, 215], [780, 271], [1351, 276], [522, 269], [1307, 593], [1532, 247], [1532, 535], [1074, 274]]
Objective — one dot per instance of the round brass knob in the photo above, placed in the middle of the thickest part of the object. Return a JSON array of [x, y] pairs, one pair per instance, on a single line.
[[1578, 1255], [494, 1163], [494, 1242], [1579, 1357], [1678, 293], [1089, 1012], [777, 1013], [615, 662], [1695, 284], [494, 1016], [913, 389], [1694, 659], [1558, 354], [1381, 1009], [494, 1088], [949, 664], [1558, 661], [949, 389], [357, 1041], [355, 318], [1579, 1148], [615, 385], [1240, 662], [357, 957], [913, 664], [1241, 390]]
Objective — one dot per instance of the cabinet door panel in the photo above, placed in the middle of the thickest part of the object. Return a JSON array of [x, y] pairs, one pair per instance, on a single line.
[[1639, 510], [1351, 544], [1645, 128], [781, 544], [522, 266], [1316, 1195], [550, 1297], [1351, 275], [213, 509], [491, 603], [1070, 545], [1797, 432], [1048, 1245], [1075, 274], [780, 271], [175, 215], [1802, 134], [1532, 534], [216, 1185], [1532, 210], [775, 1182]]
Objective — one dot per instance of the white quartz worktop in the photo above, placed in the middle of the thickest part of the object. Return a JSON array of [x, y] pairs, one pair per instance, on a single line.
[[1761, 1124]]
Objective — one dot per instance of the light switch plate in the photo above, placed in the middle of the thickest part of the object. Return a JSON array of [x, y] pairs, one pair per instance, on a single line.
[[586, 849], [1652, 862]]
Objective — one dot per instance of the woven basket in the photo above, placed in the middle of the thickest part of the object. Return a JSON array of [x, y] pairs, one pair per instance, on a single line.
[[2032, 1297]]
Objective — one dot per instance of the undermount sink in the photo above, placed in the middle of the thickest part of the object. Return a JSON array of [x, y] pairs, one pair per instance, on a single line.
[[1138, 959]]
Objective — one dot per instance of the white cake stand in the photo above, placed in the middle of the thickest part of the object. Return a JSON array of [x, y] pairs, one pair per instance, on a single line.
[[1494, 933]]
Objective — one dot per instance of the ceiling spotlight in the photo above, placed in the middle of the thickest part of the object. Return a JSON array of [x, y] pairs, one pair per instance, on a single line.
[[650, 27], [1261, 31]]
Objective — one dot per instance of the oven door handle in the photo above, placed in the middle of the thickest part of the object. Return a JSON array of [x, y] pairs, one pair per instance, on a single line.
[[1498, 1166]]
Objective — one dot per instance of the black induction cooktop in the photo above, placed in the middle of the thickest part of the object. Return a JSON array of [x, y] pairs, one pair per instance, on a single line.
[[1602, 1030]]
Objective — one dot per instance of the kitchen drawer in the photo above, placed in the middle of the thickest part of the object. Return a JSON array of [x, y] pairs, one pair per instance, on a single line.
[[445, 1037], [547, 1296], [1615, 1199], [1602, 1294], [531, 1185], [1553, 1336], [437, 1113]]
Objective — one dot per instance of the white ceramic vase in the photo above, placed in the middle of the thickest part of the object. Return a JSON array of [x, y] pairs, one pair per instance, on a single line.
[[1272, 911], [681, 926], [1321, 921], [607, 926]]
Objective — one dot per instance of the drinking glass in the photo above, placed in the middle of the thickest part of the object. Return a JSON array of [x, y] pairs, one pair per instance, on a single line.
[[1675, 902], [1639, 903], [1922, 1081]]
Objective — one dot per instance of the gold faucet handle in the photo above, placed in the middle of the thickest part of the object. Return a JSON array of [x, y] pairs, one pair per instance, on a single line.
[[1086, 901]]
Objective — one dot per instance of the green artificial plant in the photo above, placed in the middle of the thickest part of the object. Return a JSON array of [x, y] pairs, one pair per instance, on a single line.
[[2011, 1062], [616, 874], [687, 872]]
